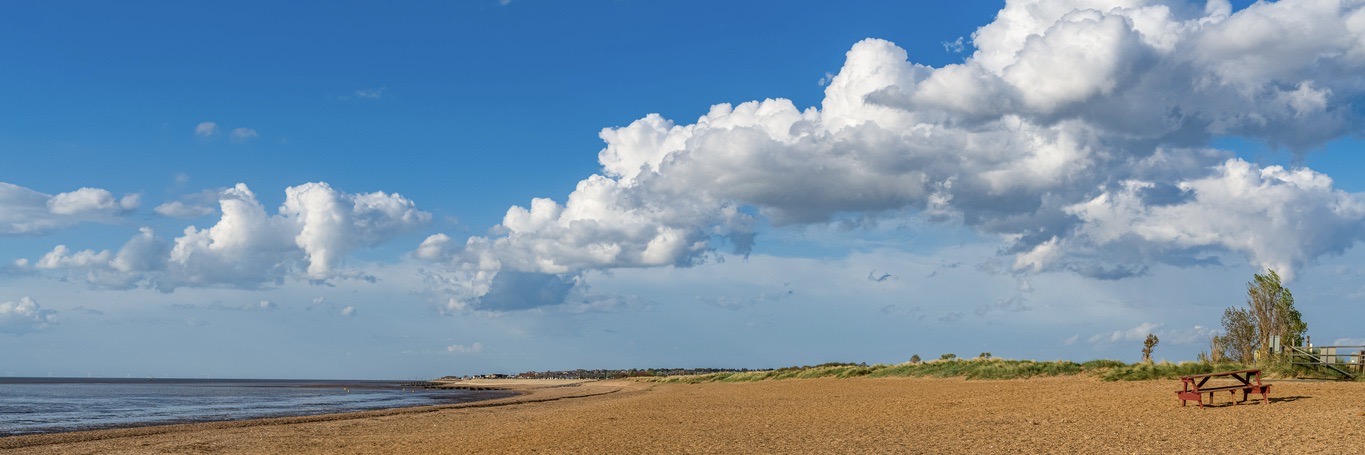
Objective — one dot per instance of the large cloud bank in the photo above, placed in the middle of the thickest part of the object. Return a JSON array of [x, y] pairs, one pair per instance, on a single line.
[[315, 228], [1078, 132]]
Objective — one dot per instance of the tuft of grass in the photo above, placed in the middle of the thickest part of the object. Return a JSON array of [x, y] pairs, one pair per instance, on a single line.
[[1163, 370], [1094, 365]]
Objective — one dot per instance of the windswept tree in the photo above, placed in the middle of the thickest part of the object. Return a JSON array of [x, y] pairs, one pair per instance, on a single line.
[[1239, 334], [1273, 306], [1270, 313]]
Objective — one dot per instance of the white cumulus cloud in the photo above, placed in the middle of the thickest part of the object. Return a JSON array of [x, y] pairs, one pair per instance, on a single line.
[[313, 231], [25, 211], [206, 129], [1077, 132], [24, 316]]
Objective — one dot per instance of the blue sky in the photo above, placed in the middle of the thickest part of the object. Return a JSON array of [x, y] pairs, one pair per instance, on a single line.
[[263, 190]]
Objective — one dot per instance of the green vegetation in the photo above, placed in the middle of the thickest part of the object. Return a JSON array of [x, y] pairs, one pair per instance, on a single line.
[[1144, 371], [975, 369], [1269, 314], [1268, 319]]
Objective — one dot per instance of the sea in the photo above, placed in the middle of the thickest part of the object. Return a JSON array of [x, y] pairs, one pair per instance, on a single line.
[[50, 405]]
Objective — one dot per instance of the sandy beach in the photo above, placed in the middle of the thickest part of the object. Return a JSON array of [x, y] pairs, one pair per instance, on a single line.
[[885, 415]]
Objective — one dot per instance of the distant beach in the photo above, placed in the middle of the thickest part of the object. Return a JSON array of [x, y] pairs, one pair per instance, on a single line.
[[1069, 414]]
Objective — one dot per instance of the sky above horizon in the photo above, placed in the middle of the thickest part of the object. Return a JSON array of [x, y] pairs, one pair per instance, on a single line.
[[408, 191]]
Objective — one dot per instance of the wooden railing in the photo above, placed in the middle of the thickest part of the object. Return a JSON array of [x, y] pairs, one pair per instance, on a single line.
[[1347, 362]]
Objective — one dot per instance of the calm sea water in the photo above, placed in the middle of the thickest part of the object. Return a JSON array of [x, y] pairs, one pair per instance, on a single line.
[[47, 405]]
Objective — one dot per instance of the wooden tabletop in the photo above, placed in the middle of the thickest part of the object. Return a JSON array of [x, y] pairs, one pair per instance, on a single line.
[[1221, 373]]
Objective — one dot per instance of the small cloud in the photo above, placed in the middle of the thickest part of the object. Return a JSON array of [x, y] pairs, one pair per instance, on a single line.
[[182, 178], [370, 93], [177, 209], [90, 201], [206, 129], [826, 79], [130, 201], [267, 305], [462, 349], [437, 247], [243, 134], [873, 276], [1072, 340], [1349, 342], [19, 267], [24, 316], [955, 46], [83, 309], [319, 300], [348, 311], [504, 2]]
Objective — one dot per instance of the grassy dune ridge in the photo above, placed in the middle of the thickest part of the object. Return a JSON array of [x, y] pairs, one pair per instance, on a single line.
[[980, 368]]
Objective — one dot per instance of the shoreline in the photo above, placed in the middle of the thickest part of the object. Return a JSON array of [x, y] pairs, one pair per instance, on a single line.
[[822, 415], [523, 391]]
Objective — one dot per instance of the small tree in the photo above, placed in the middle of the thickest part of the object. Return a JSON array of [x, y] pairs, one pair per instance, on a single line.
[[914, 358], [1217, 349], [948, 356], [1147, 346], [984, 355]]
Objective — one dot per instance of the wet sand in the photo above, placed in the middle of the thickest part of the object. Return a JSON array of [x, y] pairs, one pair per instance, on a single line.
[[889, 415]]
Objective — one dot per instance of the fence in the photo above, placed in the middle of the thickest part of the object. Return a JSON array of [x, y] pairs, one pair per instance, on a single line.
[[1342, 362]]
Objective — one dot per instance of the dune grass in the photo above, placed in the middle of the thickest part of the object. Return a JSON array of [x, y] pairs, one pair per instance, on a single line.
[[980, 368]]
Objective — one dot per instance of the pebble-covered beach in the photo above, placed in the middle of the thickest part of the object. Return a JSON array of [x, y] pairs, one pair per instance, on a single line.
[[886, 415]]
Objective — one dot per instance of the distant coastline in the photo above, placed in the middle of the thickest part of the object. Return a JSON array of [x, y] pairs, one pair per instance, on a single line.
[[53, 405]]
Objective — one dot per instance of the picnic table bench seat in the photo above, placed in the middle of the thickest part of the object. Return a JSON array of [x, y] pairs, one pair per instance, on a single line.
[[1249, 382]]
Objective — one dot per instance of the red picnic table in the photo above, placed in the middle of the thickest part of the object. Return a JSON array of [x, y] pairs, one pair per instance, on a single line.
[[1249, 382]]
